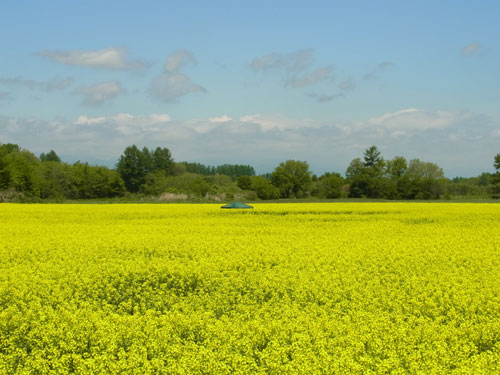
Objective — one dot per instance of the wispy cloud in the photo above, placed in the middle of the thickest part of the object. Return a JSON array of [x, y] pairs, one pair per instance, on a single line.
[[470, 49], [99, 93], [347, 85], [325, 98], [51, 85], [172, 84], [267, 62], [375, 72], [4, 95], [310, 79], [113, 58], [294, 67]]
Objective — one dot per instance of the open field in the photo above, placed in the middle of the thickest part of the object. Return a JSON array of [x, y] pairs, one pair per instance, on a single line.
[[313, 288]]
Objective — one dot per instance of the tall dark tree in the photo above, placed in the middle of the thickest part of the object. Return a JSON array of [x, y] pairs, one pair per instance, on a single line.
[[372, 158], [133, 166], [162, 160]]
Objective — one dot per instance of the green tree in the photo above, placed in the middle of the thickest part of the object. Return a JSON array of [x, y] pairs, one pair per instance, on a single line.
[[373, 159], [328, 186], [357, 178], [19, 170], [366, 179], [57, 180], [398, 184], [426, 180], [133, 166], [162, 160], [494, 188], [96, 182], [292, 178], [264, 188], [244, 182], [50, 156]]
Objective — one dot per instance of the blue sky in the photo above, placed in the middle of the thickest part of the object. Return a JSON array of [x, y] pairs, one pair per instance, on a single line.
[[254, 82]]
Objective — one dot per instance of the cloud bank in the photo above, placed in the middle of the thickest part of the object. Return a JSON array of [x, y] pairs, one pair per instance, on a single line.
[[451, 139]]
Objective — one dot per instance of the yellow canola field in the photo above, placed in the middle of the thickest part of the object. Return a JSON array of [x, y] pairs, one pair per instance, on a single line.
[[330, 288]]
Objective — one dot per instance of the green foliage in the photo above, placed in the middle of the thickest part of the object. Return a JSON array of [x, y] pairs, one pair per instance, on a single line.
[[134, 165], [232, 170], [244, 182], [398, 181], [468, 187], [58, 181], [292, 178], [189, 183], [25, 177], [494, 189], [394, 179], [96, 182], [264, 188], [50, 156], [19, 170], [426, 180], [328, 186]]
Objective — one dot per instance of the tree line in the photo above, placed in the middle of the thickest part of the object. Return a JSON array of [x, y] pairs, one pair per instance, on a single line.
[[154, 173]]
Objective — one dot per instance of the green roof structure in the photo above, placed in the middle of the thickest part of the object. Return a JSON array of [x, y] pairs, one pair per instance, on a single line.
[[237, 205]]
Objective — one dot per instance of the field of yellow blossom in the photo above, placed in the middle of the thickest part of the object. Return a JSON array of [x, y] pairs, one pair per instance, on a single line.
[[326, 288]]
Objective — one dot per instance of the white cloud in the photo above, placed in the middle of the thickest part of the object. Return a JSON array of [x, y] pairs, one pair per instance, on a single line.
[[108, 58], [418, 120], [159, 118], [220, 119], [470, 49], [172, 84], [125, 119], [84, 120], [99, 93]]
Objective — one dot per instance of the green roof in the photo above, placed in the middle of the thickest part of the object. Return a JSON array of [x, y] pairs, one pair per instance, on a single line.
[[236, 205]]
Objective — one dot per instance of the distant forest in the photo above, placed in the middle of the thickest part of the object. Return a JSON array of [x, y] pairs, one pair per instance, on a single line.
[[154, 175]]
